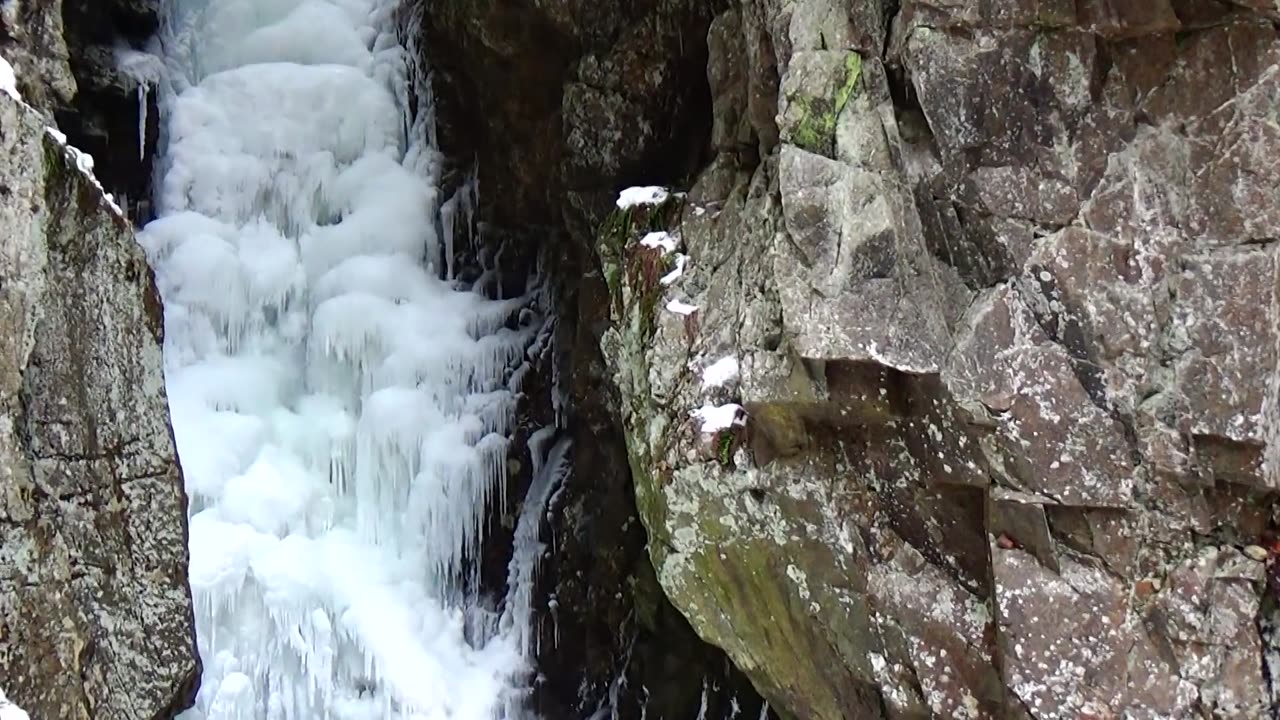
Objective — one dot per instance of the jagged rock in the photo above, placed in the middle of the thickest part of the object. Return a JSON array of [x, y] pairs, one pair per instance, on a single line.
[[1008, 362], [999, 282], [66, 57], [559, 104], [96, 611]]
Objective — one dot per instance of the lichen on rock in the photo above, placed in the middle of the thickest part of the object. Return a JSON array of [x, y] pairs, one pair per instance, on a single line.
[[96, 611]]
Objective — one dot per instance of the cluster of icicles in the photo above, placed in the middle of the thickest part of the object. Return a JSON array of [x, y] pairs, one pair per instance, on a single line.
[[341, 406]]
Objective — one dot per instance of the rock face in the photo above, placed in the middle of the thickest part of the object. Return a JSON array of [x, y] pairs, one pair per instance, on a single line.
[[95, 606], [558, 103], [68, 57], [953, 392], [1001, 291], [95, 612]]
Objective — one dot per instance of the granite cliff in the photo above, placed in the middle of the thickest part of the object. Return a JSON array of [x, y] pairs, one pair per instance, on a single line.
[[988, 292], [95, 612], [940, 380]]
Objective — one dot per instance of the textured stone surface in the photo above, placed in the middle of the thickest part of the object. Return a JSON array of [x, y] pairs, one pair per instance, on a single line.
[[95, 612], [1006, 321], [560, 103], [1000, 279]]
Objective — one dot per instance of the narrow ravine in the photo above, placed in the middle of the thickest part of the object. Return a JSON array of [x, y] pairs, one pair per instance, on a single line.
[[341, 410]]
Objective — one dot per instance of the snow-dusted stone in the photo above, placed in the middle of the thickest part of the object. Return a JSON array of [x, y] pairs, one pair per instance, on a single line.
[[93, 552]]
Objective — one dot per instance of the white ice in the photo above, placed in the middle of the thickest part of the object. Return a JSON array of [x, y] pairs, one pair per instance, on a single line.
[[341, 412]]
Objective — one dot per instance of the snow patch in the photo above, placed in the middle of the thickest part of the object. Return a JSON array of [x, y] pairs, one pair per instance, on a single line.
[[9, 80], [637, 196], [83, 162], [720, 372], [677, 272], [8, 710], [681, 308], [715, 418], [664, 241]]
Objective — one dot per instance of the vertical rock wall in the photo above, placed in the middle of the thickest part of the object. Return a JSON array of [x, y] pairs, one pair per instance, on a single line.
[[95, 612], [999, 282], [552, 105], [1002, 291]]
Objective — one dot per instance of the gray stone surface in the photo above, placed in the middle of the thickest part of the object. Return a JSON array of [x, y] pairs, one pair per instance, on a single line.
[[95, 612], [1006, 318]]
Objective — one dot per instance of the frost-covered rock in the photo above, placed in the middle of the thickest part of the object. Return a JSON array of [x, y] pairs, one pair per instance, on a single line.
[[93, 593]]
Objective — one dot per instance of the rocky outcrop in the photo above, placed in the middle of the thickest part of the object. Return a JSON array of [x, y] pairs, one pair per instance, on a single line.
[[95, 612], [1001, 297], [552, 105], [97, 617]]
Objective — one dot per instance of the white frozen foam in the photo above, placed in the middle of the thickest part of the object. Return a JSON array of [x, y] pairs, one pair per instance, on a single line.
[[341, 413]]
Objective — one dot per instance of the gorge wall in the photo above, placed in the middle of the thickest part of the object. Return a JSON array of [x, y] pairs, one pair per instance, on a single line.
[[95, 612], [978, 300], [998, 281]]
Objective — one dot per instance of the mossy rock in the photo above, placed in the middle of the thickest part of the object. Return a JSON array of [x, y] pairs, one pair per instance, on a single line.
[[817, 92]]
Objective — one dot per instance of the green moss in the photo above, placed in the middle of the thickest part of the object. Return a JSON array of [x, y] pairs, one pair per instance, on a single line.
[[725, 450], [613, 237], [816, 129], [853, 73], [753, 613]]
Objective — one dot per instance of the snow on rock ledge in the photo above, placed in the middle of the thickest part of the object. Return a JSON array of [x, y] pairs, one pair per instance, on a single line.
[[93, 548]]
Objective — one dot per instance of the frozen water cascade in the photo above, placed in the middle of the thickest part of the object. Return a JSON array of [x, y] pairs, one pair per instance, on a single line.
[[341, 412]]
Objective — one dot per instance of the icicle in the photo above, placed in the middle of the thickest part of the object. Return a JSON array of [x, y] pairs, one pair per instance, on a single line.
[[143, 98]]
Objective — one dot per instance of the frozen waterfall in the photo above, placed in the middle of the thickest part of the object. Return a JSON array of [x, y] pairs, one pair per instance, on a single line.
[[341, 411]]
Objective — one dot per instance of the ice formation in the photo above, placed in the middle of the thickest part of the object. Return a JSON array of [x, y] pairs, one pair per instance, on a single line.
[[341, 412], [9, 711]]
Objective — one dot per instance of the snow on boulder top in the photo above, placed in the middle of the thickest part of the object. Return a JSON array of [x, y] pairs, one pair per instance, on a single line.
[[715, 418], [8, 80], [662, 240], [681, 308], [84, 163], [633, 196], [720, 372], [677, 272]]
